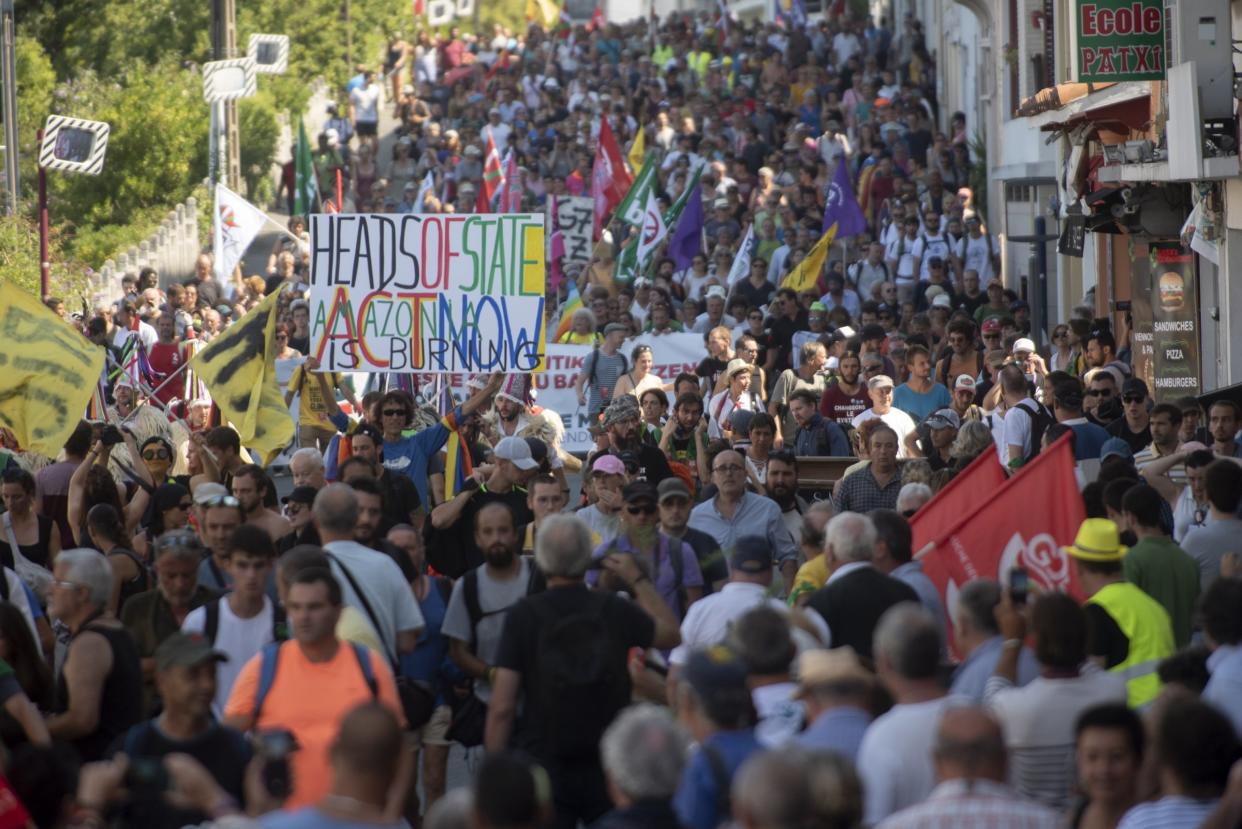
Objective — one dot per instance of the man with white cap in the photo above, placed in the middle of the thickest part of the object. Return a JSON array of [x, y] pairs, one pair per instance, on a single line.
[[880, 389], [497, 131], [450, 544], [1028, 358], [964, 388], [942, 426]]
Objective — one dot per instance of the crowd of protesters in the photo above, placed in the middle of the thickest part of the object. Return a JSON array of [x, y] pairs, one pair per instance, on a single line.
[[701, 638]]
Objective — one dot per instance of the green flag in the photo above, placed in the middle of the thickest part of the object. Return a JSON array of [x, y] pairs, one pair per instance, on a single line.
[[632, 207], [630, 265], [306, 191]]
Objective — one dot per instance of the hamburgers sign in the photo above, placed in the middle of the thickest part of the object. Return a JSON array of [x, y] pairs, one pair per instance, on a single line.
[[1119, 40]]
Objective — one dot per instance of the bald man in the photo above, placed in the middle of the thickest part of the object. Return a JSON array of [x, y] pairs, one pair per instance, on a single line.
[[971, 766]]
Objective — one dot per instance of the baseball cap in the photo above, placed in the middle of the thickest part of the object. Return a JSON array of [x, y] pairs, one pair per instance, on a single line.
[[639, 491], [720, 204], [1116, 446], [964, 381], [299, 495], [516, 451], [944, 419], [1134, 386], [879, 381], [718, 676], [715, 291], [608, 465], [751, 554], [942, 301], [1024, 344], [1018, 305], [991, 326], [672, 488], [184, 650], [538, 449], [205, 492]]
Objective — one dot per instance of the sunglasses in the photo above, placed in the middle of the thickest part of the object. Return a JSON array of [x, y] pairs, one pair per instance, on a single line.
[[152, 454], [394, 412], [644, 509], [991, 336], [221, 501], [870, 369], [1132, 398]]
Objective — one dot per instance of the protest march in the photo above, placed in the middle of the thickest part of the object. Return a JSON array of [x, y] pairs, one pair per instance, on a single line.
[[636, 424]]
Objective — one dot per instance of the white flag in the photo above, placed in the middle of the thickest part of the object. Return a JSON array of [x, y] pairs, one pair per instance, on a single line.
[[741, 263], [236, 223], [652, 230], [424, 190]]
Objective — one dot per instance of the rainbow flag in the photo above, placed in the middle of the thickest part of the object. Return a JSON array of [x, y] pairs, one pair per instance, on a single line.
[[195, 388], [573, 302], [97, 407], [457, 465]]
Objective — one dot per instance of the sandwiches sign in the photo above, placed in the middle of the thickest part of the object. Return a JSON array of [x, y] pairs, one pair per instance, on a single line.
[[1165, 334], [1120, 40]]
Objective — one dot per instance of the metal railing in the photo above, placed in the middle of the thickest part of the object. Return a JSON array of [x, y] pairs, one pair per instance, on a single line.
[[171, 250]]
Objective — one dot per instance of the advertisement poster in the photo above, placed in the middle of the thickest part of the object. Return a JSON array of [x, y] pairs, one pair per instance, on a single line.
[[1166, 322], [427, 292]]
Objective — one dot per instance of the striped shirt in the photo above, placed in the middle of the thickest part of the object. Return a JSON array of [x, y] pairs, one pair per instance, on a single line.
[[1038, 721], [974, 804], [1144, 458], [1173, 812]]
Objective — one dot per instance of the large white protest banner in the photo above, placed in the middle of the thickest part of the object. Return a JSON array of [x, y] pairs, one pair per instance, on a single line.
[[574, 217], [554, 387], [427, 293]]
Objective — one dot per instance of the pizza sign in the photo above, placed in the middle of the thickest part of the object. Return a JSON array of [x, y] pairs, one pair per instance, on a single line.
[[1120, 40]]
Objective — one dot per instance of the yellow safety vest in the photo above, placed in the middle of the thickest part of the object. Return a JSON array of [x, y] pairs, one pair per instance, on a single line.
[[1146, 624]]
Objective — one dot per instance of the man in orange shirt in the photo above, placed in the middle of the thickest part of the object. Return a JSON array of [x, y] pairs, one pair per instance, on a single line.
[[308, 684]]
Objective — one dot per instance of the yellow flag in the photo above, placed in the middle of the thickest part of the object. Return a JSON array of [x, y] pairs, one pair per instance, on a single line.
[[239, 369], [805, 276], [636, 154], [48, 372], [544, 11]]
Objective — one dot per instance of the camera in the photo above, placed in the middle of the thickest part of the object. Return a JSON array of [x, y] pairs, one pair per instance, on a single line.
[[110, 436], [274, 747], [146, 778]]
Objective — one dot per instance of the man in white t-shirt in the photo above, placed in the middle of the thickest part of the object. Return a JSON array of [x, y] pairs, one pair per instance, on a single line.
[[977, 250], [933, 241], [902, 262], [242, 621], [364, 103], [1019, 405], [880, 389]]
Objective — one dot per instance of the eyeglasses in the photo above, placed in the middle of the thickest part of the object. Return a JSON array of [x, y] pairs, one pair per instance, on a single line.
[[991, 336], [1132, 398], [153, 454], [729, 468], [394, 412], [66, 585], [220, 501], [642, 509]]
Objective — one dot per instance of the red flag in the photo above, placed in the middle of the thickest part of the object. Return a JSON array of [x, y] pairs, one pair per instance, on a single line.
[[597, 19], [511, 189], [973, 486], [13, 814], [493, 176], [609, 180], [1025, 523]]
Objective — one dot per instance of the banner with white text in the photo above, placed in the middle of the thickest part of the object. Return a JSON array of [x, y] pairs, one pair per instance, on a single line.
[[427, 292]]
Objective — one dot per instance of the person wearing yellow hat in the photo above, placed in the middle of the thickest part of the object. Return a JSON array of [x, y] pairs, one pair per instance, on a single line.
[[1131, 631]]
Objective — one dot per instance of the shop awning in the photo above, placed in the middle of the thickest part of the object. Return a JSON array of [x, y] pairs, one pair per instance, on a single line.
[[1064, 106]]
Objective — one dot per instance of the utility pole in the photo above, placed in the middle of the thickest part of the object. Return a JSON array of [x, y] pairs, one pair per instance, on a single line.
[[8, 98], [224, 46]]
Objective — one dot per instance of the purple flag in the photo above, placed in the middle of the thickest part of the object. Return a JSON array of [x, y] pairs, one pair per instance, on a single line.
[[841, 207], [687, 241]]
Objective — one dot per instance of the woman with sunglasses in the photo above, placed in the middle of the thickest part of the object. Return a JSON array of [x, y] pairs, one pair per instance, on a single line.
[[283, 350]]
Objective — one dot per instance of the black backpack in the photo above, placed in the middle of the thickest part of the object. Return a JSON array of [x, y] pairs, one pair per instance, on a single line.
[[535, 583], [577, 675], [211, 625], [1040, 421]]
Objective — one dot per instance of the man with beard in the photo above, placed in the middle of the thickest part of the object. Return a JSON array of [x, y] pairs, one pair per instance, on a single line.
[[399, 495], [475, 618], [622, 423], [815, 435], [675, 504], [370, 530], [847, 398], [783, 489], [510, 410], [250, 485], [370, 582], [451, 547], [813, 357]]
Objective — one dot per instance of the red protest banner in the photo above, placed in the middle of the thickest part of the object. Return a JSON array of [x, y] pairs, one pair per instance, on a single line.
[[13, 814], [974, 486], [1025, 523]]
